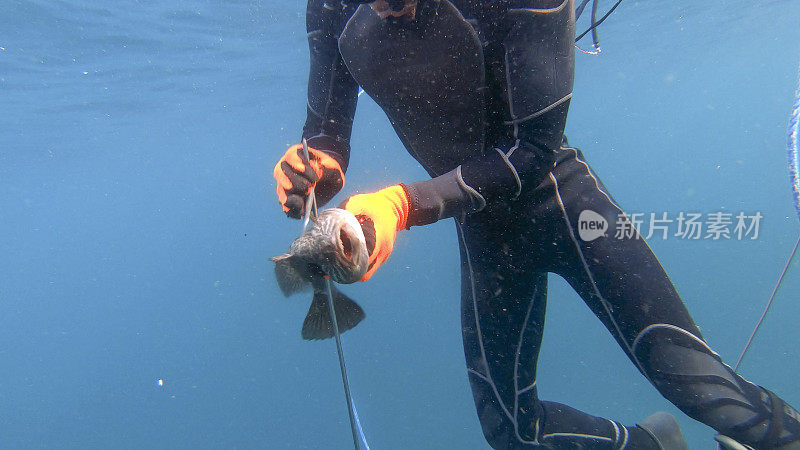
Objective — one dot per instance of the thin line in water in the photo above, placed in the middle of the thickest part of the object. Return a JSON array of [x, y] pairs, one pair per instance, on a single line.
[[766, 309], [355, 425]]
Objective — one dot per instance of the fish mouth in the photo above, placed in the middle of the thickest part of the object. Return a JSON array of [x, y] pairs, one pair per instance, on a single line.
[[351, 249], [345, 244], [383, 10]]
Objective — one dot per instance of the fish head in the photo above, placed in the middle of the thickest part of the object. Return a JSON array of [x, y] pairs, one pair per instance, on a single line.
[[349, 259]]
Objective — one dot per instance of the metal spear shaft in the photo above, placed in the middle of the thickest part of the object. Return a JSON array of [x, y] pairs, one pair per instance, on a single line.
[[311, 210]]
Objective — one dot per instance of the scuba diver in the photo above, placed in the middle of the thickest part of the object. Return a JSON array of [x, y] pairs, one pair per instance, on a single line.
[[478, 92]]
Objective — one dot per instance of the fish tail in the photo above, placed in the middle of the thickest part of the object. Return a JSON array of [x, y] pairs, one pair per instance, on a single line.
[[290, 279], [318, 324]]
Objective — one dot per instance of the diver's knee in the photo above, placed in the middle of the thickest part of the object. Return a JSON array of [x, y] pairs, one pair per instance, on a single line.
[[690, 375], [499, 429], [500, 434], [683, 368]]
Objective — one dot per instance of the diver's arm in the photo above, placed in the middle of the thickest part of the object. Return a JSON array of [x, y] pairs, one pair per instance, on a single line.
[[499, 175], [539, 65], [332, 95], [332, 92]]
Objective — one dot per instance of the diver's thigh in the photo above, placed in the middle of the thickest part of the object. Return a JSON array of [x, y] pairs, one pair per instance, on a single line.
[[503, 306], [618, 276]]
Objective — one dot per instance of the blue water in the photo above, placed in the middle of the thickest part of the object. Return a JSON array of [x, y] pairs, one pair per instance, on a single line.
[[137, 214]]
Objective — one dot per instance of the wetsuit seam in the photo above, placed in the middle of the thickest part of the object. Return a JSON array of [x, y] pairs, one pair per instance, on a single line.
[[479, 375], [654, 326], [474, 194], [625, 440], [491, 384], [541, 11], [513, 171], [330, 85], [516, 357], [594, 178], [527, 388], [540, 112], [509, 90], [581, 435], [316, 113], [616, 431]]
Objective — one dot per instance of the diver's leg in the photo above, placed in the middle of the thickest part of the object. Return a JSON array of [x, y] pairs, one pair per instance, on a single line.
[[626, 287], [504, 282]]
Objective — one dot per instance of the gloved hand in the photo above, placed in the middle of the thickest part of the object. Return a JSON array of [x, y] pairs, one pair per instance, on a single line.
[[295, 176], [381, 214]]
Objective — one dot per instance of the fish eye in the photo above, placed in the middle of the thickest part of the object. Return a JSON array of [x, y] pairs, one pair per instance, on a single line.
[[344, 238]]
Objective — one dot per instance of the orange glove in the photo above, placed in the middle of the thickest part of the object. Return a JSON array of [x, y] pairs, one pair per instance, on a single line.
[[381, 214], [295, 176]]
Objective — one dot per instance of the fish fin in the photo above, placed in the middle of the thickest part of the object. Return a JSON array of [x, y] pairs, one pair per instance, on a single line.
[[318, 323], [281, 257], [348, 312], [290, 279]]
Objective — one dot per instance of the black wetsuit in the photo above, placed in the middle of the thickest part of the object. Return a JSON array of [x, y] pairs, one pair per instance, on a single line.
[[487, 125]]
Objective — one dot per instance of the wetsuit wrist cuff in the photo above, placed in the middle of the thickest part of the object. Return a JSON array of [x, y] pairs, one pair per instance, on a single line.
[[441, 197], [336, 149]]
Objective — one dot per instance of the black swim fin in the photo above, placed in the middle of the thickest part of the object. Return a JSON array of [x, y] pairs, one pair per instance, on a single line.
[[665, 431], [730, 444], [318, 323]]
